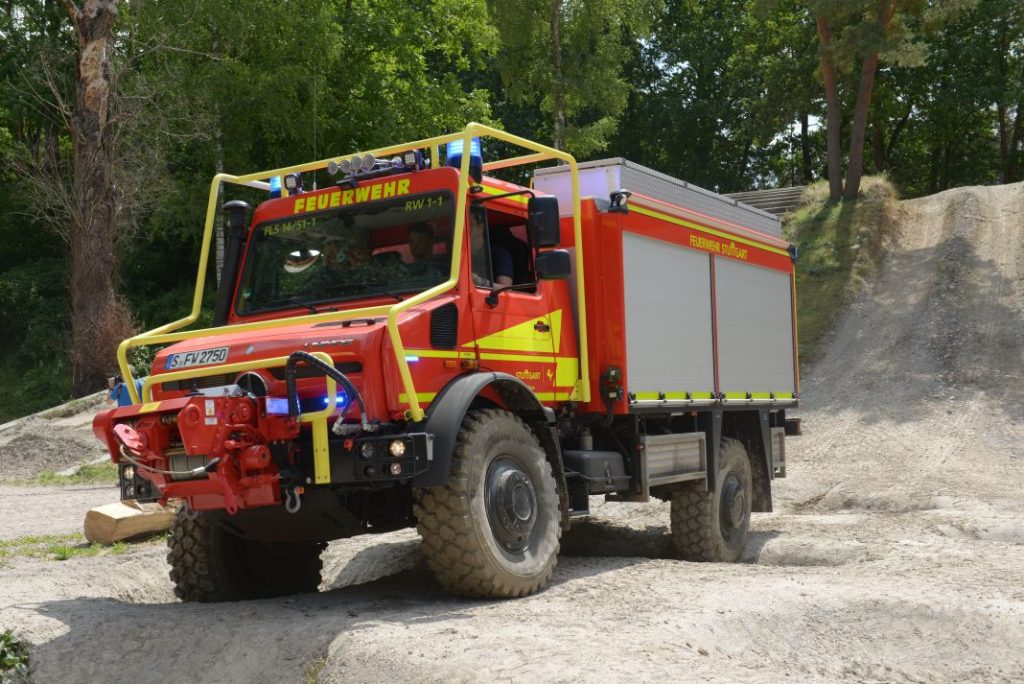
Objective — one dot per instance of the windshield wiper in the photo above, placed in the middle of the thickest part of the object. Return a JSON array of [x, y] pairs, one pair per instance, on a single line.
[[293, 301]]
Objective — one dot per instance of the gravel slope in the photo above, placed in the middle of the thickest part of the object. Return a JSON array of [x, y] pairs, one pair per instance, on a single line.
[[896, 552]]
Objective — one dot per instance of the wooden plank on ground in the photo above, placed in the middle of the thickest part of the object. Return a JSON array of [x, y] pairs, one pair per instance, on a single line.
[[125, 520]]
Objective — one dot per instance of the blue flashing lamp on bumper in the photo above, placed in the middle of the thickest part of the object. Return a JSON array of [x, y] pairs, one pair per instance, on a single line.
[[279, 405], [453, 157]]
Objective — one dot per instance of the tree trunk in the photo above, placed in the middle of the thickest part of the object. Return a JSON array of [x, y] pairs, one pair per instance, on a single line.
[[878, 146], [890, 147], [556, 63], [1013, 158], [833, 111], [933, 169], [99, 319], [868, 73], [805, 149], [860, 121]]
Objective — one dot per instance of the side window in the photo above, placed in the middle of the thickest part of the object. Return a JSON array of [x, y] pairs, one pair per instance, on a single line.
[[504, 240]]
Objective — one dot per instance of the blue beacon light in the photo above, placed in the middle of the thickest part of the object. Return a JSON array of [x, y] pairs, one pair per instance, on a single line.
[[275, 187], [453, 157]]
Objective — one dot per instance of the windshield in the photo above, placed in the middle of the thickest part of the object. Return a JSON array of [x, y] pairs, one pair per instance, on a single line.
[[389, 247]]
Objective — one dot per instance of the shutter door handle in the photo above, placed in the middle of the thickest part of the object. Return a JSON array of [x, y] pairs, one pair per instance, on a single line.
[[541, 326]]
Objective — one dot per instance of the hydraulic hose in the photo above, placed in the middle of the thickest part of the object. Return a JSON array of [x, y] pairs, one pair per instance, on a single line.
[[293, 395]]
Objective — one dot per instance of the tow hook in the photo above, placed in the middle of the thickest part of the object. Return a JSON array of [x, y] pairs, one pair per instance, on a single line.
[[293, 499]]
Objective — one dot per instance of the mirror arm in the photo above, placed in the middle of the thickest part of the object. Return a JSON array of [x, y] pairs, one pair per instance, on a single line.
[[477, 201], [492, 298]]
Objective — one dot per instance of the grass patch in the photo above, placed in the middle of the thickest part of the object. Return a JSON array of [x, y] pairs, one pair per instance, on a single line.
[[58, 547], [13, 658], [841, 245], [92, 473]]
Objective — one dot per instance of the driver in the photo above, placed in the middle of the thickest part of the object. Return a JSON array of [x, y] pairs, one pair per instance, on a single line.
[[500, 265]]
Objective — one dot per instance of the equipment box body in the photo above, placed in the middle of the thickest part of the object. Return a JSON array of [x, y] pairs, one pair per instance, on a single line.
[[689, 293]]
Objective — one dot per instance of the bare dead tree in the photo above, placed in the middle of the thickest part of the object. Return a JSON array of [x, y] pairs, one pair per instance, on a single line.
[[99, 317], [94, 194]]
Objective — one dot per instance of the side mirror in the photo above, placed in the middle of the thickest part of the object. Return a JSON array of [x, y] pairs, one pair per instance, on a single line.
[[554, 265], [236, 211], [543, 226]]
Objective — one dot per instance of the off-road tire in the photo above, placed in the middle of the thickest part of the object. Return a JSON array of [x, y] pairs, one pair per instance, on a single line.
[[697, 530], [210, 564], [460, 543]]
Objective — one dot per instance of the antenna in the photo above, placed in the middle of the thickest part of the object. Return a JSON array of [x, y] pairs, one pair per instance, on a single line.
[[315, 73]]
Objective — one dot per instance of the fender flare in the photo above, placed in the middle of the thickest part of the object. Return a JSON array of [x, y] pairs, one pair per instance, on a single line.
[[449, 408]]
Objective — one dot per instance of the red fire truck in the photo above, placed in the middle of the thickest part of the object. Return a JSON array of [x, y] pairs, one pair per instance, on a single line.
[[423, 344]]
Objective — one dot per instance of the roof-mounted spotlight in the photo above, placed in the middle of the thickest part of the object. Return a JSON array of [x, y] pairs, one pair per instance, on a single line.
[[293, 183], [620, 200]]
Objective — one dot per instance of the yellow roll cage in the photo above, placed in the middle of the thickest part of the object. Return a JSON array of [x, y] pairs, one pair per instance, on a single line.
[[171, 332]]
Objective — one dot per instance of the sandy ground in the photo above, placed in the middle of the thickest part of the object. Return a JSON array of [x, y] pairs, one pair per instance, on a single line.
[[896, 553]]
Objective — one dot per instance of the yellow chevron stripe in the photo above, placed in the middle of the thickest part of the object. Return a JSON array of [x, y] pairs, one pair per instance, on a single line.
[[522, 337], [521, 199]]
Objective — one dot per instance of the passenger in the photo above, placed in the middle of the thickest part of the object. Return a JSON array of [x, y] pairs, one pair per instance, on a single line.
[[421, 243], [499, 271]]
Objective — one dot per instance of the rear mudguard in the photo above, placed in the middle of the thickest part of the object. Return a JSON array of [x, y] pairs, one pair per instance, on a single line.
[[449, 408]]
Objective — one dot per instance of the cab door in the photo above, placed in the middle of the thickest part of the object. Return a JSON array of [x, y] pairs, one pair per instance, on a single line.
[[515, 331]]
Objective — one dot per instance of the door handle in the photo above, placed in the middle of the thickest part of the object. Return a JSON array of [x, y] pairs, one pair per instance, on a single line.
[[541, 326]]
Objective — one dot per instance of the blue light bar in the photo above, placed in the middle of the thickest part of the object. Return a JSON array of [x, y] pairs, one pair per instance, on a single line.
[[453, 156], [278, 406], [275, 186]]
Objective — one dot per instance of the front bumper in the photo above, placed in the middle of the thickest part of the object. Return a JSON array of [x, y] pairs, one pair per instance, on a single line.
[[369, 460]]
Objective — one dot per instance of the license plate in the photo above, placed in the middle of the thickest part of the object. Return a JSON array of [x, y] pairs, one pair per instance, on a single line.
[[202, 357]]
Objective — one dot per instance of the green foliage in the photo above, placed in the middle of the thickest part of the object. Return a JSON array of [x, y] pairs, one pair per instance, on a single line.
[[840, 246], [717, 89], [13, 658], [586, 86]]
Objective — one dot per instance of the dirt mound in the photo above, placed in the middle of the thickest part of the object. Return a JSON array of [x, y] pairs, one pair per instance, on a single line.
[[35, 444]]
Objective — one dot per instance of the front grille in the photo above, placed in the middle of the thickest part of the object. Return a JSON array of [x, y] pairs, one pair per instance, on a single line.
[[198, 383], [307, 371]]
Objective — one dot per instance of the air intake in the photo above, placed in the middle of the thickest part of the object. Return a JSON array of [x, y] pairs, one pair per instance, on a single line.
[[444, 327]]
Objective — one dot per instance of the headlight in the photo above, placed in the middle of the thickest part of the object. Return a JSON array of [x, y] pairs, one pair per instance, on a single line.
[[367, 450], [398, 448], [129, 472]]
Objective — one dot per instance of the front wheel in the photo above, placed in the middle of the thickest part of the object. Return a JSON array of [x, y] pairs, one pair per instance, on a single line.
[[712, 526], [210, 564], [493, 530]]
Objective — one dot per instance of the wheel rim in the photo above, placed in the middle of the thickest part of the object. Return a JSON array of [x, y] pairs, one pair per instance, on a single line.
[[511, 503], [732, 513]]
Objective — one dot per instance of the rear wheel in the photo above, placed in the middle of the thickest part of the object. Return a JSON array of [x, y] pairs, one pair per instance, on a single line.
[[493, 531], [712, 526], [209, 564]]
